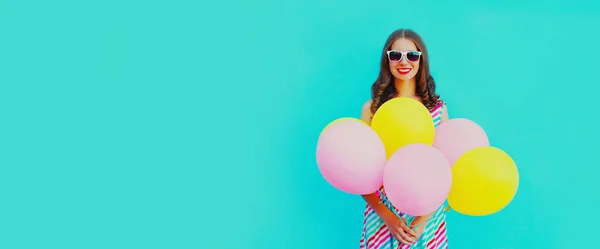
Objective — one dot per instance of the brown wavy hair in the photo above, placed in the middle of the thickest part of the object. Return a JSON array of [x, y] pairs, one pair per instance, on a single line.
[[383, 89]]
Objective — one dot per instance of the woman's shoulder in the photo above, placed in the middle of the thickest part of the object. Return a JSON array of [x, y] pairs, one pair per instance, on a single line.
[[440, 103], [366, 114], [442, 106], [367, 104], [366, 108]]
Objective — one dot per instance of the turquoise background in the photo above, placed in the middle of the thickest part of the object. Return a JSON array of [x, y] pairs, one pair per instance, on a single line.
[[186, 124]]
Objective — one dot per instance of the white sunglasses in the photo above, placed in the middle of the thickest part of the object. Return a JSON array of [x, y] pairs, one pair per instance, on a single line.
[[395, 55]]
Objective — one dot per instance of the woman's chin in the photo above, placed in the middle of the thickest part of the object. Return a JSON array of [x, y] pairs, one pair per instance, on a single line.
[[403, 76]]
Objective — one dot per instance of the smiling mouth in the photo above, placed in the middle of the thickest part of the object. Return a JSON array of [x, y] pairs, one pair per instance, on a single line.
[[404, 70]]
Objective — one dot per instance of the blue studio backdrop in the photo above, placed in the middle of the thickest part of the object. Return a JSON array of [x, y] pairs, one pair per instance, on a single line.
[[187, 124]]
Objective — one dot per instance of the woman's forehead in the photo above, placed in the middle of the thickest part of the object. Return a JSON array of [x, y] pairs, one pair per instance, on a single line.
[[404, 44]]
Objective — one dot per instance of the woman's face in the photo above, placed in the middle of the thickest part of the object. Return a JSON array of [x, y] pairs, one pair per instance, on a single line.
[[404, 59]]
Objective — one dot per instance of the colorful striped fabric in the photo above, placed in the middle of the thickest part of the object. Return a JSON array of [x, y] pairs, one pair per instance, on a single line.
[[375, 234]]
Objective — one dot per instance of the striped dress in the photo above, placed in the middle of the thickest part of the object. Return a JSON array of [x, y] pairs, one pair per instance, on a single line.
[[375, 234]]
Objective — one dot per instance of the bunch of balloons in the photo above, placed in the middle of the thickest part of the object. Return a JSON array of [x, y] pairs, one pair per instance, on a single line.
[[419, 166]]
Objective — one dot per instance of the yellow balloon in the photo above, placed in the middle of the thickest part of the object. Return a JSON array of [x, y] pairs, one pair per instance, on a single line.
[[402, 121], [340, 120], [484, 181]]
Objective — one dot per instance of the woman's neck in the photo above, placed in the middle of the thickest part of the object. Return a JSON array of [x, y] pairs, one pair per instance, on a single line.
[[405, 88]]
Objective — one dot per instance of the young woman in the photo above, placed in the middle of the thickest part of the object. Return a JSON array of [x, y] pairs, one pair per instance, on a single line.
[[404, 73]]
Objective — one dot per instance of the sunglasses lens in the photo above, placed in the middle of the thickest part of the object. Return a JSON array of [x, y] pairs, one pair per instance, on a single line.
[[412, 56], [395, 56]]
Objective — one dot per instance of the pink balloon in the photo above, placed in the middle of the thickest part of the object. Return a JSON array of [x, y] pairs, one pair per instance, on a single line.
[[351, 157], [417, 179], [457, 136]]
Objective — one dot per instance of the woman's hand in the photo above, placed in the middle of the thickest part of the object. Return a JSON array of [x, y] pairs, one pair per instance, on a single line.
[[418, 226], [398, 228]]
